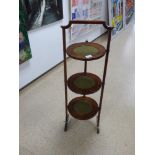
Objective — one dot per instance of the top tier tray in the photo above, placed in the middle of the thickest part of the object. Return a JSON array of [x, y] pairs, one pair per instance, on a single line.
[[86, 51]]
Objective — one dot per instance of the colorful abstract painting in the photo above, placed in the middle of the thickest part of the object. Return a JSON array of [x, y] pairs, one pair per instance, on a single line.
[[42, 12], [116, 15], [85, 10], [129, 10], [24, 46]]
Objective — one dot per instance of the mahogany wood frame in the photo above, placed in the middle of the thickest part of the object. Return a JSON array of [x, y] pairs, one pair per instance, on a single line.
[[109, 29]]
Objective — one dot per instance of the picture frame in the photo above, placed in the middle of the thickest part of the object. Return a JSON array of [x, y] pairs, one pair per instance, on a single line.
[[24, 45], [116, 16], [85, 10], [42, 12], [129, 11]]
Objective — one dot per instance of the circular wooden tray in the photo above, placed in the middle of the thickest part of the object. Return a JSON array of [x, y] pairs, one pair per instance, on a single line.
[[84, 83], [83, 108], [86, 51]]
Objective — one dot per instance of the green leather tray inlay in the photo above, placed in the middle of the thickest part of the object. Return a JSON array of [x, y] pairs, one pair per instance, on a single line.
[[85, 50], [84, 82], [82, 107]]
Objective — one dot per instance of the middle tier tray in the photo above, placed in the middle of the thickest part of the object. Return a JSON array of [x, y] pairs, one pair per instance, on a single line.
[[84, 83]]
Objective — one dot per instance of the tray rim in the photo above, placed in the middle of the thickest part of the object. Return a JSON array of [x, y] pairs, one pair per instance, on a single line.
[[102, 51], [88, 91]]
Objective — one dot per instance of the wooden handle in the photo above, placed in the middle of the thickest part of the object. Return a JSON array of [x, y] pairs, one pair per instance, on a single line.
[[87, 22]]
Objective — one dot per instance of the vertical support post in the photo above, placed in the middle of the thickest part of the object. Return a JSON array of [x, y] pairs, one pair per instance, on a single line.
[[103, 80], [85, 66], [85, 71], [65, 76]]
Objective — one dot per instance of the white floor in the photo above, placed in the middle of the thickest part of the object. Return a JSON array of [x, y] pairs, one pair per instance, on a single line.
[[42, 108]]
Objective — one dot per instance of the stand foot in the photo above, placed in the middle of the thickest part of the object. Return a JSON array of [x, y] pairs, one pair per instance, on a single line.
[[65, 128], [66, 123], [98, 130]]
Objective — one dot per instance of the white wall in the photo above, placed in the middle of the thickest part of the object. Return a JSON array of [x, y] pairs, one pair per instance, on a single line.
[[46, 46]]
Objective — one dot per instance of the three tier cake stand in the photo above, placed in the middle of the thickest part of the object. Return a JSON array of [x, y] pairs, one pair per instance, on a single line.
[[84, 83]]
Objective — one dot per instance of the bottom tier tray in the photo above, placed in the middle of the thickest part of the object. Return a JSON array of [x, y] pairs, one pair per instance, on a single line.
[[83, 108]]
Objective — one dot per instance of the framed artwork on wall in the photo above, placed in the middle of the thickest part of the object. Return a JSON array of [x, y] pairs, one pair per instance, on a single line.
[[129, 10], [85, 10], [120, 14], [24, 46], [42, 12], [116, 15]]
